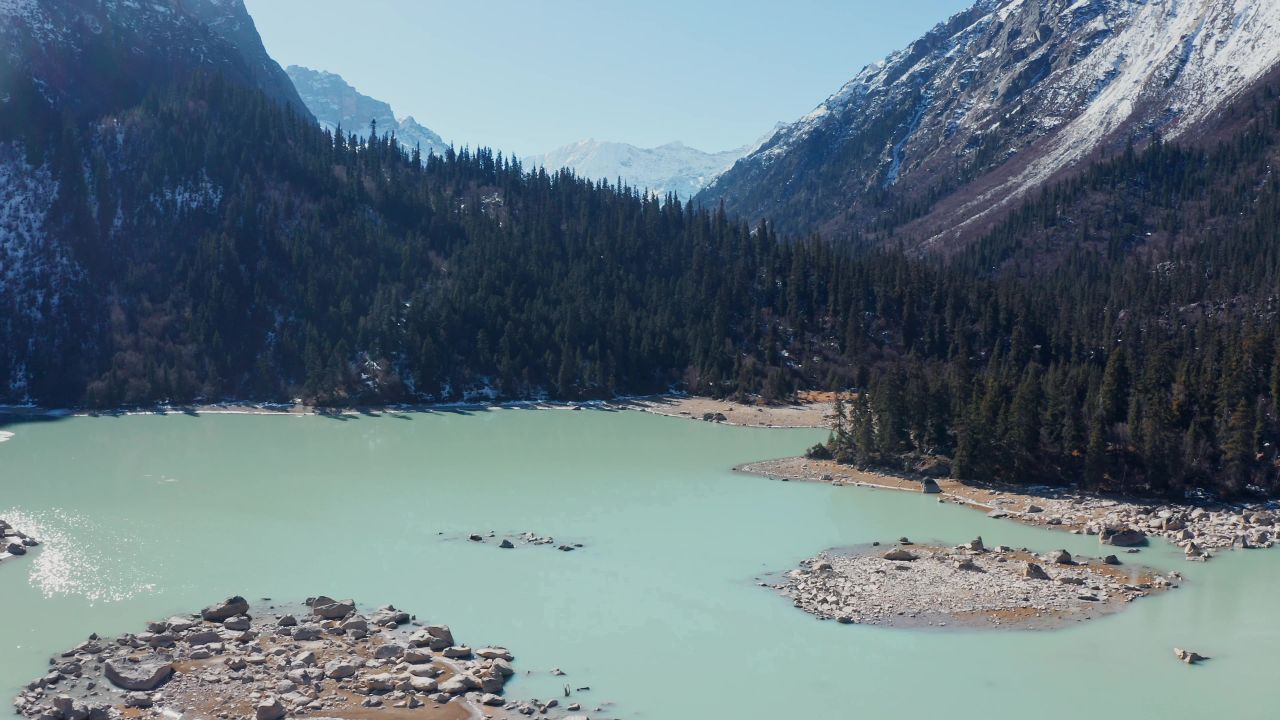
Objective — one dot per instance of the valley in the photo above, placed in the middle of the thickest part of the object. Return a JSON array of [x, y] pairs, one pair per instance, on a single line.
[[967, 379]]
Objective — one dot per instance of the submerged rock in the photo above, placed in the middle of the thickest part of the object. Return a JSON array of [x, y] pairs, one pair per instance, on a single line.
[[1188, 656]]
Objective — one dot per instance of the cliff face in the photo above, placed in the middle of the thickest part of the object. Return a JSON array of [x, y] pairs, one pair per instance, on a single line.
[[91, 56], [336, 104], [995, 101]]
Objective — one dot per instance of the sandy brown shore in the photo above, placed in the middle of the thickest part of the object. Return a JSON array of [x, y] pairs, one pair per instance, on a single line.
[[807, 410]]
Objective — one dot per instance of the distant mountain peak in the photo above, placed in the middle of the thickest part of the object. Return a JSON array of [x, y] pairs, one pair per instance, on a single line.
[[671, 167], [335, 103]]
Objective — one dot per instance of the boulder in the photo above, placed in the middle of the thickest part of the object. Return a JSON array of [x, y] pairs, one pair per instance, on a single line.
[[389, 617], [146, 674], [1034, 572], [506, 544], [1111, 560], [1061, 557], [415, 656], [388, 651], [203, 637], [459, 684], [441, 633], [381, 681], [304, 633], [287, 621], [1122, 537], [1033, 508], [239, 623], [976, 545], [492, 700], [228, 608], [355, 623], [900, 554], [457, 652], [424, 685], [138, 700], [334, 610], [494, 653], [1187, 656], [339, 669], [269, 708]]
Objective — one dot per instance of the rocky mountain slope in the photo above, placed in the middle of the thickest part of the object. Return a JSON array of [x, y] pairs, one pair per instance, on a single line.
[[336, 103], [674, 167], [88, 56], [941, 138]]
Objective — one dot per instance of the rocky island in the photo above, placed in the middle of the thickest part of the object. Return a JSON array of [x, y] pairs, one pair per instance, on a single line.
[[970, 585], [14, 542], [322, 659]]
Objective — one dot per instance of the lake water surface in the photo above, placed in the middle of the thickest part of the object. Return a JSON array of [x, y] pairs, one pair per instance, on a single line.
[[147, 516]]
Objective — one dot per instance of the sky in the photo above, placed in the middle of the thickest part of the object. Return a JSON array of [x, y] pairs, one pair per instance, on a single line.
[[533, 75]]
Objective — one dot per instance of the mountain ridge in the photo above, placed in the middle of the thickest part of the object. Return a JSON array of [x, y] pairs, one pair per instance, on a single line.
[[1004, 88], [672, 167], [336, 103]]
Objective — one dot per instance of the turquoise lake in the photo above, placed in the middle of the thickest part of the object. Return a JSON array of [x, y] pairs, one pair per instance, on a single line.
[[148, 516]]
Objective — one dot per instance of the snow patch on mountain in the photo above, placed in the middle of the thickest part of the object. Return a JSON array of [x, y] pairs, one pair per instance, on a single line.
[[1044, 83], [671, 168]]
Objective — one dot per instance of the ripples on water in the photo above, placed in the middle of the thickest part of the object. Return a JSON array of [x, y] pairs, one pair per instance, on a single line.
[[66, 565]]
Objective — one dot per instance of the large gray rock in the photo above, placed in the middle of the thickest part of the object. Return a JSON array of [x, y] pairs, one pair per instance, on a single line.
[[1187, 656], [1034, 572], [1122, 537], [269, 709], [238, 623], [203, 637], [387, 651], [459, 684], [333, 610], [900, 554], [339, 669], [146, 674], [228, 608]]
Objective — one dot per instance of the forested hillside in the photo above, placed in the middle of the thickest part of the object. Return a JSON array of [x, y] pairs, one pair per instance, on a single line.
[[229, 248]]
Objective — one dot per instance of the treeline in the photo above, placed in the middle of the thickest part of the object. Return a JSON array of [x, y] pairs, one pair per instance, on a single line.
[[225, 247]]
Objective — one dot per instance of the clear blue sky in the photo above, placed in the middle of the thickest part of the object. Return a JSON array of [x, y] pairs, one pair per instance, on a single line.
[[528, 76]]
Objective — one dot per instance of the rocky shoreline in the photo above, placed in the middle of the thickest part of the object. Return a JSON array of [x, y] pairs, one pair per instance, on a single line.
[[1198, 529], [14, 542], [321, 659], [967, 586]]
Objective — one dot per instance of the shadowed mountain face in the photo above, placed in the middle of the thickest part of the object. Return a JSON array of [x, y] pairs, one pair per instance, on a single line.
[[93, 56], [335, 103], [940, 139]]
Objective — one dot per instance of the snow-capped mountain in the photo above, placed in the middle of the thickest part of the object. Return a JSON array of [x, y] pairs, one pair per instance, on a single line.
[[998, 99], [335, 103], [674, 167]]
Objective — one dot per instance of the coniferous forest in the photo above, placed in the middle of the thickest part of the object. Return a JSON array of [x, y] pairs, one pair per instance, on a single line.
[[1119, 327]]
